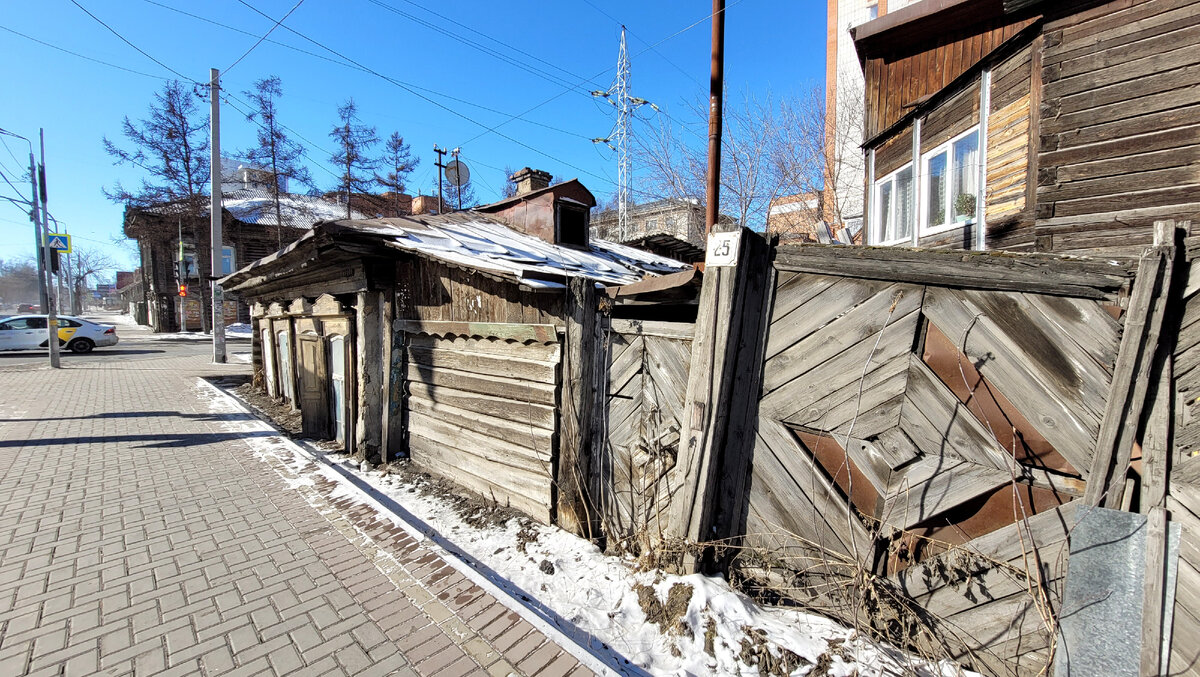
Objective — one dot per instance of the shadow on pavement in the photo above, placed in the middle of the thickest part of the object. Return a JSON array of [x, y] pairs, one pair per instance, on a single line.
[[140, 414], [165, 440], [102, 352]]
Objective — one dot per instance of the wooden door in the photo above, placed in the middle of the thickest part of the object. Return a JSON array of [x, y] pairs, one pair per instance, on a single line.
[[314, 401]]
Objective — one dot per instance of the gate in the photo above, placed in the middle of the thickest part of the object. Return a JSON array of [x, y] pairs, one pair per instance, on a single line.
[[647, 373]]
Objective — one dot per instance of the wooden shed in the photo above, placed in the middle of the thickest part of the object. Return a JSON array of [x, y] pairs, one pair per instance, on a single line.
[[447, 339]]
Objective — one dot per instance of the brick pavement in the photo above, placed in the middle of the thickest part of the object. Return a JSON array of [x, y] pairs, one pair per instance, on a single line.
[[140, 535]]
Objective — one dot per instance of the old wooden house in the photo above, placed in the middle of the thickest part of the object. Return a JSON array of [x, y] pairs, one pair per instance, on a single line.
[[1027, 125], [169, 234], [453, 339]]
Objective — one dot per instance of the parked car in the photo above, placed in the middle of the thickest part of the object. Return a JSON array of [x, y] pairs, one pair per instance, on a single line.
[[28, 332], [27, 308]]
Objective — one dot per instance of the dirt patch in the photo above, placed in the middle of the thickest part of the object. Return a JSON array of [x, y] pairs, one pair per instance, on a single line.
[[757, 652], [668, 616], [276, 411], [473, 509]]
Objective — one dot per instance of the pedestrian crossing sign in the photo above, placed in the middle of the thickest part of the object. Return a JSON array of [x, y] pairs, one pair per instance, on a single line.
[[59, 242]]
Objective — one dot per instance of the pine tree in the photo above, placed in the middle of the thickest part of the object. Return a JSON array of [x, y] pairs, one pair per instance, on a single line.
[[275, 152], [171, 146], [399, 162], [354, 143]]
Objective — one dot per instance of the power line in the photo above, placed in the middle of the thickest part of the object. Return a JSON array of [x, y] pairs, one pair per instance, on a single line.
[[81, 56], [265, 35], [427, 99], [340, 62], [139, 49]]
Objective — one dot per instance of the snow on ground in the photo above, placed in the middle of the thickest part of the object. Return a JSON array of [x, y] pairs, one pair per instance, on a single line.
[[598, 594]]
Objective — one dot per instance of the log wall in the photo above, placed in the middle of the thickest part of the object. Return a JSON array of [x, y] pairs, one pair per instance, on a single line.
[[1120, 124]]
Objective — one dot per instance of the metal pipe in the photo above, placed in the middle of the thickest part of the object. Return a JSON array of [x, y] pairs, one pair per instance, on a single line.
[[715, 111]]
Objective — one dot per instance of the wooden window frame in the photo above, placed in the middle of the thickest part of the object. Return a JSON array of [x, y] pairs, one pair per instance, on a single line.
[[948, 202], [879, 237]]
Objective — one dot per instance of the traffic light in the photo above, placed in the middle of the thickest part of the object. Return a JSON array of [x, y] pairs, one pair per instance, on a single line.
[[183, 290]]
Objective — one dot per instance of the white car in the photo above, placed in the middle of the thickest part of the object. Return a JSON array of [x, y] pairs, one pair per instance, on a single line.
[[28, 332]]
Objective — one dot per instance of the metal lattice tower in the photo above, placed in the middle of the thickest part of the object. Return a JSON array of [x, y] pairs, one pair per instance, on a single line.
[[624, 165], [618, 96]]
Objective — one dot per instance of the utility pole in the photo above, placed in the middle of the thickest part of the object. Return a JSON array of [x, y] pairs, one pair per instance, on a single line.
[[51, 301], [40, 242], [181, 272], [715, 111], [441, 152], [218, 294]]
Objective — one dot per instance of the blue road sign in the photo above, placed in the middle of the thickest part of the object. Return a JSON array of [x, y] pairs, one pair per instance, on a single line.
[[59, 242]]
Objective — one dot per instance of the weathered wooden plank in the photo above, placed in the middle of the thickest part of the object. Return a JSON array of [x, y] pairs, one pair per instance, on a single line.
[[934, 485], [797, 290], [841, 371], [538, 371], [574, 512], [678, 330], [787, 487], [896, 447], [504, 451], [528, 493], [540, 333], [545, 352], [822, 309], [1143, 322], [520, 433], [954, 428], [511, 389], [837, 409], [539, 415], [1036, 273], [849, 327], [1054, 408], [1085, 322]]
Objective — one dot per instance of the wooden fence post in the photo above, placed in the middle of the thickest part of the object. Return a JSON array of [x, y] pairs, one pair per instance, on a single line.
[[577, 408], [1131, 374], [728, 326]]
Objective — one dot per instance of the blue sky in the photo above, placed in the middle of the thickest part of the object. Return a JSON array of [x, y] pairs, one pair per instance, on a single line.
[[426, 45]]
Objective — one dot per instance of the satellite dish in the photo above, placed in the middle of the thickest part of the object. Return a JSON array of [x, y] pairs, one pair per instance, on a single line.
[[457, 173]]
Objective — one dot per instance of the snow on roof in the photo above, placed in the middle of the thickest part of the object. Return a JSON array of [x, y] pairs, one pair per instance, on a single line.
[[256, 206], [298, 211], [476, 241]]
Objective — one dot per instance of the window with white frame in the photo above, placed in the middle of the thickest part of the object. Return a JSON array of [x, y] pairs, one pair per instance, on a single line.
[[951, 181], [893, 206]]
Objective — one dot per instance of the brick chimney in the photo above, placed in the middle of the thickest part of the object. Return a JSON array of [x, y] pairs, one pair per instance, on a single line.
[[529, 180]]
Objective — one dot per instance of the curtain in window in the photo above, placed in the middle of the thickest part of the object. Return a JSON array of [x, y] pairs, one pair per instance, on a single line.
[[904, 203], [966, 173], [936, 195]]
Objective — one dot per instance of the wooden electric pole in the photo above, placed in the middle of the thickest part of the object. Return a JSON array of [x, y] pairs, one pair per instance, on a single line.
[[715, 88], [218, 294]]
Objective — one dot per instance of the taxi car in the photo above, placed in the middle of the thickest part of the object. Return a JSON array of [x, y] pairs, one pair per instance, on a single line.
[[28, 332]]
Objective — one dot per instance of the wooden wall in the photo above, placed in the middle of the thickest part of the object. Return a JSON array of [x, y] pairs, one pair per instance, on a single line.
[[896, 81], [481, 411], [431, 290], [1120, 124]]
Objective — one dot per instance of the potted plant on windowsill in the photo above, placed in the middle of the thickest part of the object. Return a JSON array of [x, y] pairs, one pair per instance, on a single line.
[[964, 207]]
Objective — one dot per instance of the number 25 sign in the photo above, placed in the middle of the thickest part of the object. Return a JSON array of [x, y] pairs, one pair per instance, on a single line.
[[723, 249]]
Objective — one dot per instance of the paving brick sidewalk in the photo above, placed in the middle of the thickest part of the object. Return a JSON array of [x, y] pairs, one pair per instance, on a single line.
[[139, 536]]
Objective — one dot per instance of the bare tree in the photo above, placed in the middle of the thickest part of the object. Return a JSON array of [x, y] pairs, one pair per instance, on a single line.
[[458, 197], [510, 188], [85, 264], [18, 281], [354, 143], [171, 146], [771, 148], [399, 162], [275, 152]]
